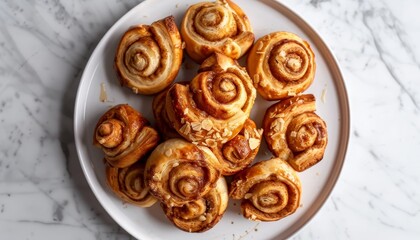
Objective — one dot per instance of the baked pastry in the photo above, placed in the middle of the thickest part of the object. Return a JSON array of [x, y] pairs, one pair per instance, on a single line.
[[281, 65], [215, 105], [128, 184], [178, 172], [239, 152], [219, 26], [124, 136], [294, 132], [202, 214], [163, 124], [148, 58], [270, 190]]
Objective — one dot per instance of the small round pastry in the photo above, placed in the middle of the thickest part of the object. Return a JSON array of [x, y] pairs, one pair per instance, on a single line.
[[148, 58], [239, 152], [270, 190], [295, 133], [219, 26], [202, 214], [281, 65], [215, 105], [178, 172], [124, 136], [128, 184]]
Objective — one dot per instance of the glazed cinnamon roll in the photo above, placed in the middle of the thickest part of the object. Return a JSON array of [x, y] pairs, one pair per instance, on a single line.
[[281, 65], [148, 58], [239, 152], [270, 190], [128, 184], [202, 214], [124, 136], [178, 172], [215, 105], [294, 132], [219, 26]]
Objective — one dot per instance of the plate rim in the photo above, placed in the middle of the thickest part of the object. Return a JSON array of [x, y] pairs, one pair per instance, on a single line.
[[344, 104]]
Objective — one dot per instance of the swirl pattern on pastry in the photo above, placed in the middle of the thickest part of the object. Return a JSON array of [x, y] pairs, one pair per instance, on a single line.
[[178, 172], [281, 65], [124, 136], [239, 152], [294, 132], [129, 185], [219, 26], [148, 58], [215, 105], [202, 214], [270, 190]]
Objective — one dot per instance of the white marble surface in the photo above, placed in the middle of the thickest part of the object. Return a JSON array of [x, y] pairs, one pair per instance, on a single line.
[[44, 46]]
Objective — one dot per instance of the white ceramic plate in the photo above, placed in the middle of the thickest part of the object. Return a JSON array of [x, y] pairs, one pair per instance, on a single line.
[[266, 16]]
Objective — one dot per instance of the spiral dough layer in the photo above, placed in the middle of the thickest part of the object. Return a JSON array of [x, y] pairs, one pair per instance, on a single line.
[[270, 190], [281, 65], [128, 184], [219, 26], [148, 58], [295, 133], [215, 105], [178, 172], [124, 136], [202, 214]]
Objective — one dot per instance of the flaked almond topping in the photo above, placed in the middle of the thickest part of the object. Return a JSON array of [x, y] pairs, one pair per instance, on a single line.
[[253, 143], [248, 195], [186, 110], [168, 152], [195, 143], [207, 124], [277, 135], [182, 120], [300, 101], [183, 45], [263, 83], [280, 115], [196, 126], [253, 217], [135, 90], [293, 134], [210, 132], [246, 134], [202, 218], [225, 132], [167, 196], [211, 143], [217, 136], [185, 129]]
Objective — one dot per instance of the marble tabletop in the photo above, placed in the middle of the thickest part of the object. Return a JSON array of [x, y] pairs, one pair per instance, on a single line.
[[44, 46]]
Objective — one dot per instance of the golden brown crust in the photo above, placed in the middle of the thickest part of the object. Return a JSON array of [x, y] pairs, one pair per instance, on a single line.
[[295, 133], [202, 214], [239, 152], [178, 172], [215, 105], [270, 190], [148, 58], [128, 184], [219, 26], [123, 135], [281, 65]]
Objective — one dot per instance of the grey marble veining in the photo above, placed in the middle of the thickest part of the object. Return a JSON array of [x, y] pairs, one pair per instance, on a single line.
[[44, 46]]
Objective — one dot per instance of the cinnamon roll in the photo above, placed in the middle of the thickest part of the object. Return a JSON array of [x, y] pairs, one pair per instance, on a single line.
[[128, 184], [239, 152], [124, 136], [178, 172], [270, 190], [202, 214], [294, 132], [148, 58], [213, 108], [281, 65], [219, 26]]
